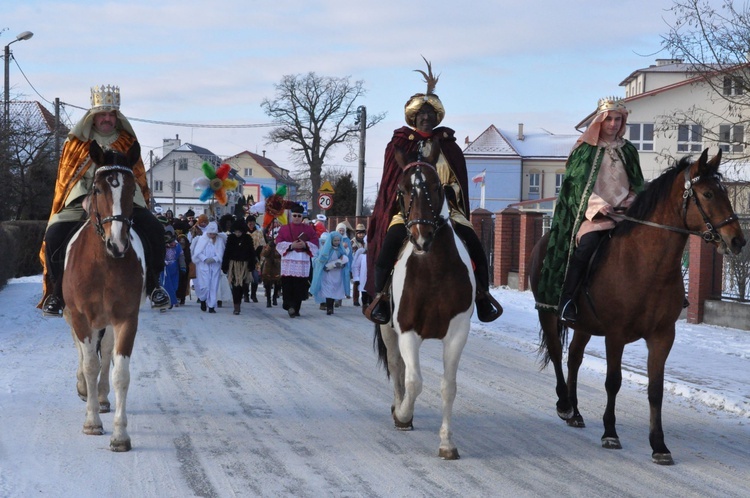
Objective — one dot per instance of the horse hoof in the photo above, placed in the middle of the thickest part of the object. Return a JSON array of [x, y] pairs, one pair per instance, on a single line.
[[611, 443], [104, 407], [662, 458], [449, 454], [120, 446], [565, 414], [403, 426], [576, 421], [96, 430]]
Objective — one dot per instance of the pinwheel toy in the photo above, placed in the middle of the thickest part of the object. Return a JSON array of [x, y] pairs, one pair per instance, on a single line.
[[275, 205], [215, 183]]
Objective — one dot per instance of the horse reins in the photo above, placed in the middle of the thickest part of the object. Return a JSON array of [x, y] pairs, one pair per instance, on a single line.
[[710, 235], [100, 222], [437, 220]]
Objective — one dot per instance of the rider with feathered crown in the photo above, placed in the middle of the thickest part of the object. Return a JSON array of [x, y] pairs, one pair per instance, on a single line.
[[387, 232]]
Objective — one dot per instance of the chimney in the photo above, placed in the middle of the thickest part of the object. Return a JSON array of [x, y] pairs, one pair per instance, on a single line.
[[520, 131], [264, 153]]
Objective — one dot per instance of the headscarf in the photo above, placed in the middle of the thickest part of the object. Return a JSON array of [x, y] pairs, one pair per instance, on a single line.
[[105, 98], [211, 228], [606, 106]]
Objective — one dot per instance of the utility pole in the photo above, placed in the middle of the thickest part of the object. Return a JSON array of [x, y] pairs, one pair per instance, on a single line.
[[151, 178], [57, 131], [174, 185], [362, 121]]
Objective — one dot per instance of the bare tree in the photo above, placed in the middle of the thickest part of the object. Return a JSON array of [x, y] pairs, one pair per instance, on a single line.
[[315, 114], [715, 41]]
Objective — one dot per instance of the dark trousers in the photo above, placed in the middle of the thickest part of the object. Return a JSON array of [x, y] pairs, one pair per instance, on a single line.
[[294, 291], [148, 228]]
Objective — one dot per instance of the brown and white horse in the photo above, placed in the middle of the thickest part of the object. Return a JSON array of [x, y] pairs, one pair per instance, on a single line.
[[433, 292], [103, 289]]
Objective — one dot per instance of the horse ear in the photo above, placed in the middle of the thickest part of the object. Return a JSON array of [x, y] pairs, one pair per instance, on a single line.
[[96, 153], [400, 157], [706, 167], [134, 153]]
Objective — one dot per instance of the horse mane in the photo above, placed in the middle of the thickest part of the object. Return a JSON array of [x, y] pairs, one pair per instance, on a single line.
[[656, 191]]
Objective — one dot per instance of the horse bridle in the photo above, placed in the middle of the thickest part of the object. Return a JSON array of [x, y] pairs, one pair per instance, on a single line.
[[100, 222], [711, 234], [437, 220]]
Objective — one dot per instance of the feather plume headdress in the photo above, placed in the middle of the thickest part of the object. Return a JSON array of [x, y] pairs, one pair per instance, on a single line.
[[417, 100]]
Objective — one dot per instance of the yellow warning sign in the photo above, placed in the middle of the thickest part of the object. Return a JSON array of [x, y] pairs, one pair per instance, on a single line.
[[326, 188]]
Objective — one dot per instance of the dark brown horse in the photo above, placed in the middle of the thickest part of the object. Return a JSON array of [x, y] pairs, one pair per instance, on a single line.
[[433, 292], [637, 291], [103, 289]]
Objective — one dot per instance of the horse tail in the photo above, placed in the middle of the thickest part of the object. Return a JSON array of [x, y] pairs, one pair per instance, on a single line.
[[543, 350], [379, 346]]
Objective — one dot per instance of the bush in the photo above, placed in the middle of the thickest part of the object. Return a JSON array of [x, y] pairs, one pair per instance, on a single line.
[[20, 242]]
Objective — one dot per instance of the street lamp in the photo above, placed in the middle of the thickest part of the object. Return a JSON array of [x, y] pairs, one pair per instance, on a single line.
[[23, 36]]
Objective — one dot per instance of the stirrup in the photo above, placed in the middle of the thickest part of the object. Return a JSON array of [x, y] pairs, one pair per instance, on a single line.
[[569, 312], [52, 306], [159, 298], [379, 310]]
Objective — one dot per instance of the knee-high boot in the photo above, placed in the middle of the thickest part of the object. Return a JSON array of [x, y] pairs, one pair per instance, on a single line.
[[488, 309], [574, 276]]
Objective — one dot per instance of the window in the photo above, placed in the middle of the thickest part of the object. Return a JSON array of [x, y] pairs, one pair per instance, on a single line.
[[183, 164], [689, 138], [248, 172], [731, 138], [534, 185], [158, 185], [177, 186], [733, 86], [558, 181], [641, 135]]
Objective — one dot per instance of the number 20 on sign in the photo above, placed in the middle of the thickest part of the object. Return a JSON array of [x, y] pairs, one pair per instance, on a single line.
[[325, 201]]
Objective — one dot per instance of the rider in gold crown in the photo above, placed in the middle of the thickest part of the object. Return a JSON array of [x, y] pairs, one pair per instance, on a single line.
[[112, 131]]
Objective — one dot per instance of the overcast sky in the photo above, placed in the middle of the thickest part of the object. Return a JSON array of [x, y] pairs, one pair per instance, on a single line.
[[543, 63]]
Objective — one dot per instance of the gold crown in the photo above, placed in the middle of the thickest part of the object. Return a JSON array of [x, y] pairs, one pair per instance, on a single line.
[[105, 98], [610, 104]]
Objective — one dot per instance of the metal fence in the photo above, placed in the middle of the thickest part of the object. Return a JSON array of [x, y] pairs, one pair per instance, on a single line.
[[736, 271]]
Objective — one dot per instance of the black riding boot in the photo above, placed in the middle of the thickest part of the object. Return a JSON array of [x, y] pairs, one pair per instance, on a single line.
[[488, 309], [568, 312], [151, 233], [379, 310]]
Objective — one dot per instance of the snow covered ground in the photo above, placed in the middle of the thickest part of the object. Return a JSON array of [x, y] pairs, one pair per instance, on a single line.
[[263, 405]]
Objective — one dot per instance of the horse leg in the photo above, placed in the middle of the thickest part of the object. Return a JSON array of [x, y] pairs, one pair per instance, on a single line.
[[612, 384], [453, 346], [409, 344], [124, 339], [106, 344], [80, 377], [575, 358], [91, 367], [395, 365], [658, 350], [551, 339]]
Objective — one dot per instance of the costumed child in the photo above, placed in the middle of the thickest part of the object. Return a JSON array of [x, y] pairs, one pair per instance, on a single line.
[[174, 266], [183, 287], [239, 261], [346, 242], [207, 255], [330, 272]]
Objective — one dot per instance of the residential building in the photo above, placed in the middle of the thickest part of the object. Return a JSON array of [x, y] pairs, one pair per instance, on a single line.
[[519, 166], [674, 112], [171, 179], [260, 171]]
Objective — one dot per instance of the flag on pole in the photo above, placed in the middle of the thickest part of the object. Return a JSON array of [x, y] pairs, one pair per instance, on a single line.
[[480, 177]]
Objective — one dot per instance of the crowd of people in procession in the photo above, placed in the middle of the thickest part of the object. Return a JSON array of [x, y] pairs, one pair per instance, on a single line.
[[215, 261]]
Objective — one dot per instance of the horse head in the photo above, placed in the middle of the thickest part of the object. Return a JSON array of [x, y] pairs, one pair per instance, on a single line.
[[422, 201], [110, 204], [706, 205]]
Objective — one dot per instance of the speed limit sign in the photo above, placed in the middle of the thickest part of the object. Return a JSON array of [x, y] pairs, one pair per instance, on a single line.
[[325, 201]]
